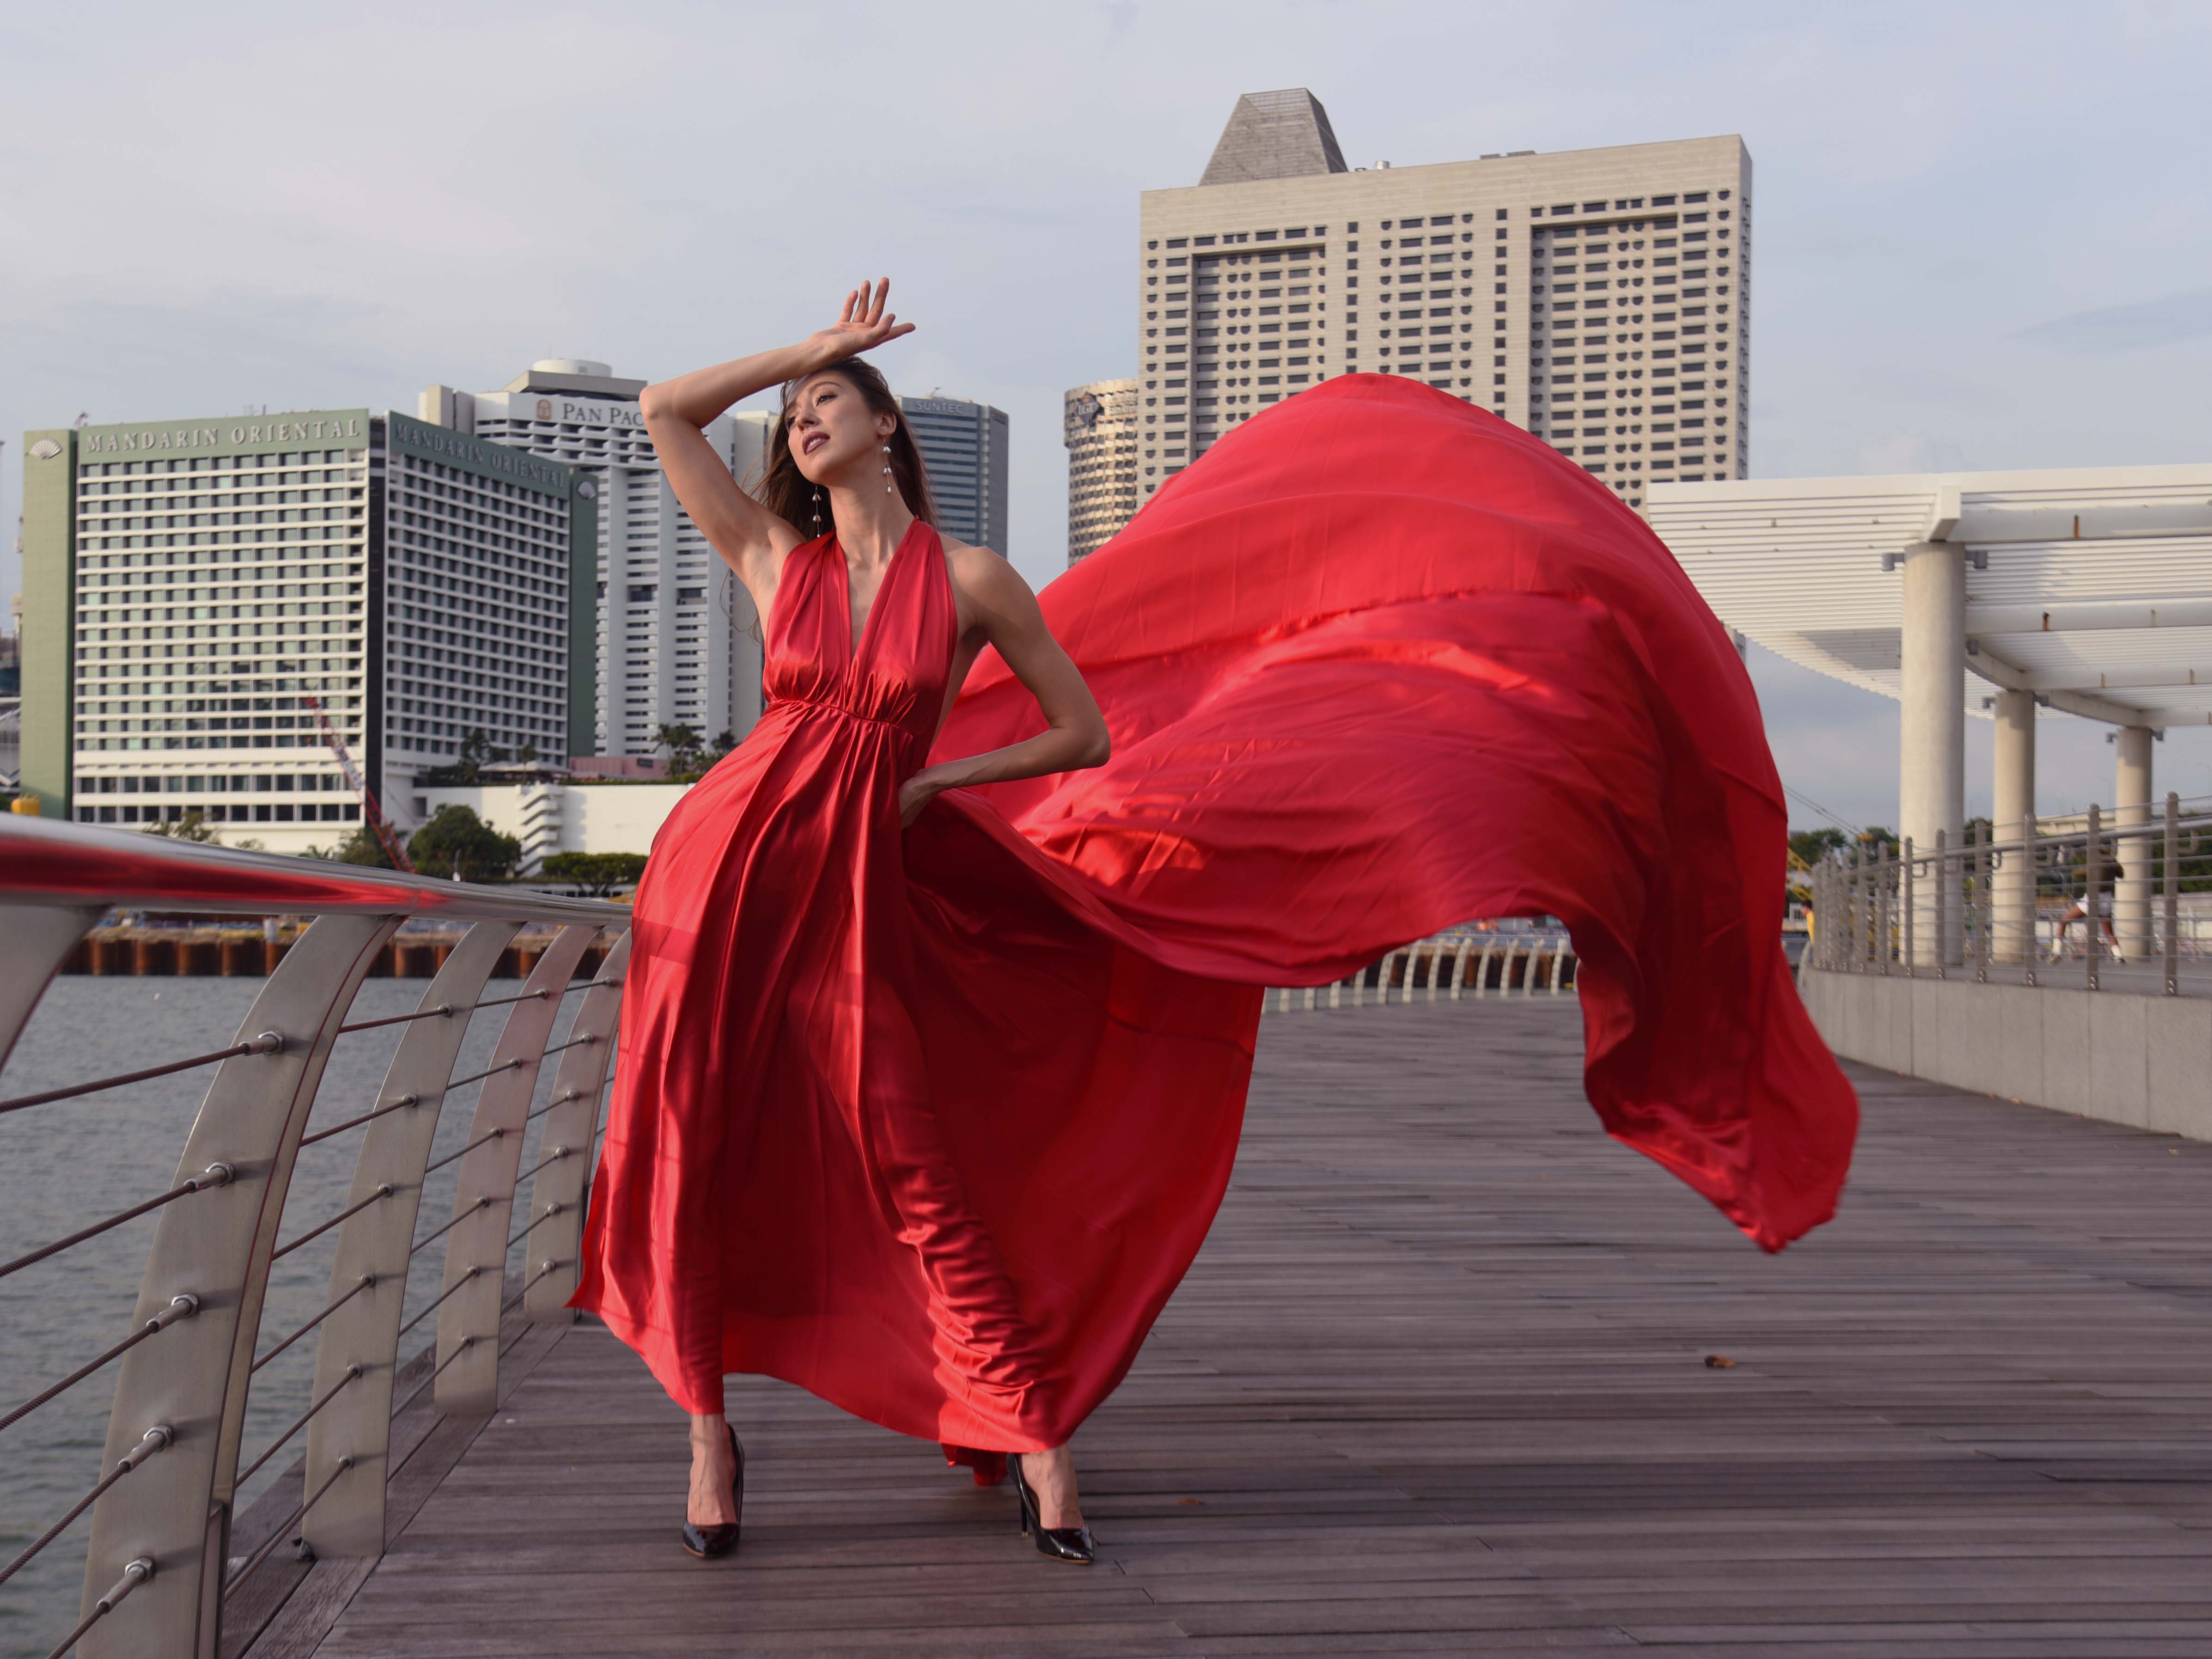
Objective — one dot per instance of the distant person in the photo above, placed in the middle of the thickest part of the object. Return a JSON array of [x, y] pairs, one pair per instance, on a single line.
[[946, 982], [2078, 910]]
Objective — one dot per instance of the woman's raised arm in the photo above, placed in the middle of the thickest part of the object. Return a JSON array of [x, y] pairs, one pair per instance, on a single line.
[[751, 539]]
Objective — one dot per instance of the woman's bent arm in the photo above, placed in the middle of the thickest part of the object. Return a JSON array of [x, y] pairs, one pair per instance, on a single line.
[[1075, 735], [751, 539]]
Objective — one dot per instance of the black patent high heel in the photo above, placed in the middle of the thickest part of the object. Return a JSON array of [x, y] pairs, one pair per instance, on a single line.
[[707, 1543], [1073, 1544]]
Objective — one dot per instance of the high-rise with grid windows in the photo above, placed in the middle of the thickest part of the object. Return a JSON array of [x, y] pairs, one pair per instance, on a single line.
[[1099, 425], [199, 595], [1600, 298], [674, 638], [963, 445]]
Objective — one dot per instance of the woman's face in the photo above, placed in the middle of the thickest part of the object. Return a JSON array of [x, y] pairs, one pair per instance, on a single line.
[[834, 437]]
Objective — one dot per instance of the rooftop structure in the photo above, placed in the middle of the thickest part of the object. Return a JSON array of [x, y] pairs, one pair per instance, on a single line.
[[1601, 298]]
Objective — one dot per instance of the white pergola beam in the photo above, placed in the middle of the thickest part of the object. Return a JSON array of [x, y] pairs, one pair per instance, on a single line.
[[2087, 617], [2012, 678], [1990, 527]]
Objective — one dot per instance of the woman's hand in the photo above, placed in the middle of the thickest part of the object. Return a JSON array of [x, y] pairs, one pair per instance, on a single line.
[[916, 793], [863, 323]]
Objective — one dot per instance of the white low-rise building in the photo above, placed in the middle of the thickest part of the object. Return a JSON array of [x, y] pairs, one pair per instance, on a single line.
[[563, 818]]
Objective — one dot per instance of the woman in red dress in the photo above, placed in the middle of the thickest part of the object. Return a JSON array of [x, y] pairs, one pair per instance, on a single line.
[[944, 984]]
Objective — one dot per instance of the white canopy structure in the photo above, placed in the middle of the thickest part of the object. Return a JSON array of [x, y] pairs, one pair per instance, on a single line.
[[2088, 590]]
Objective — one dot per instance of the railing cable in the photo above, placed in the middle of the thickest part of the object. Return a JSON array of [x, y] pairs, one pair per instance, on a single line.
[[467, 1342], [439, 1012], [137, 1573], [298, 1424], [367, 1281], [552, 1210], [383, 1191], [544, 1269], [398, 1105], [269, 1042], [291, 1521], [482, 1203], [559, 1152], [217, 1175], [483, 1139], [181, 1307], [466, 1279], [157, 1438]]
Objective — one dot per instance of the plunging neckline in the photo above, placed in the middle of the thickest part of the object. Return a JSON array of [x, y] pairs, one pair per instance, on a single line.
[[855, 642]]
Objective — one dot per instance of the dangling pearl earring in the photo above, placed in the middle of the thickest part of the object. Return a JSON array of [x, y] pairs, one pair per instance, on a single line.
[[817, 509], [889, 488]]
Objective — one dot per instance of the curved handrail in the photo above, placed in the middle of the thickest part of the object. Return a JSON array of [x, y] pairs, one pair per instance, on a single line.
[[69, 863], [187, 1363]]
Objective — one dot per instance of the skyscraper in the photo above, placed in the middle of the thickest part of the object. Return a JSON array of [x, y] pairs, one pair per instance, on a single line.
[[673, 632], [198, 594], [964, 445], [1600, 297], [1099, 424]]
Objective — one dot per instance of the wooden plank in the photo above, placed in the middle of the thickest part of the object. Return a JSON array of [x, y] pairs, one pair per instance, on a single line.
[[1437, 1384]]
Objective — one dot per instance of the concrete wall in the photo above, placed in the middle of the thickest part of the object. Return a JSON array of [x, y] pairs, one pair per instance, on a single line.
[[2145, 1061]]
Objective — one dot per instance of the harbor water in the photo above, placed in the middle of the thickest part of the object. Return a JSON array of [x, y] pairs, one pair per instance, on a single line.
[[66, 1165]]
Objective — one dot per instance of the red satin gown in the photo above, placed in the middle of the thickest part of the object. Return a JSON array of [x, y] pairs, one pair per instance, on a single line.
[[933, 1124]]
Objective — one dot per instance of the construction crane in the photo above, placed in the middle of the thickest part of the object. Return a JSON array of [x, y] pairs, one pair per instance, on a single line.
[[394, 849]]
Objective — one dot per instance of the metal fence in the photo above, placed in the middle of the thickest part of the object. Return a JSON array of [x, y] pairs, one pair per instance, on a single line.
[[159, 1569], [1463, 962], [2120, 903]]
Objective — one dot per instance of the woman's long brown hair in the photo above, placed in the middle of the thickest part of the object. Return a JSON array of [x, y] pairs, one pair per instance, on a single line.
[[783, 489]]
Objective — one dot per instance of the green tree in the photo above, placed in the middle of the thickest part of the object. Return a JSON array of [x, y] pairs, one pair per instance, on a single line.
[[1811, 846], [193, 826], [601, 872], [457, 842], [361, 846]]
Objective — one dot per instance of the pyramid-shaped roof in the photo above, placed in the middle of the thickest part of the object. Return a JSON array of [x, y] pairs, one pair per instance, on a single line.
[[1275, 135]]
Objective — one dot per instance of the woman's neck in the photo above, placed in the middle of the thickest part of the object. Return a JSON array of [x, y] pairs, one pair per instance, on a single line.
[[870, 523]]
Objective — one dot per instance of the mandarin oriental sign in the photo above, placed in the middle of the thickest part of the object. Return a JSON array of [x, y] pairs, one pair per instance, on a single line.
[[351, 427], [477, 454]]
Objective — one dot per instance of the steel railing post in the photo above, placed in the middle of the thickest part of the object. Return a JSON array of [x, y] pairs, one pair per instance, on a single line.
[[2171, 921], [39, 939], [483, 1196], [2090, 902], [1985, 905], [1941, 873], [2029, 912], [395, 1149], [550, 1265], [1905, 898], [177, 1509]]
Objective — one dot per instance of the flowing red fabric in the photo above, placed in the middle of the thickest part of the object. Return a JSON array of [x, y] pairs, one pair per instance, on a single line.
[[933, 1124]]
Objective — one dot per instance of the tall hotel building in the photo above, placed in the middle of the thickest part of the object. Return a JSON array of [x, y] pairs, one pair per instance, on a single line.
[[1099, 425], [964, 445], [674, 642], [195, 590], [1600, 298]]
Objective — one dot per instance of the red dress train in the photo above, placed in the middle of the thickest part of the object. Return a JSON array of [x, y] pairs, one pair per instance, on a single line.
[[933, 1124]]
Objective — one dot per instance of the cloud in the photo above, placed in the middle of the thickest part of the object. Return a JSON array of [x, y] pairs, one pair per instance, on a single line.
[[2177, 317]]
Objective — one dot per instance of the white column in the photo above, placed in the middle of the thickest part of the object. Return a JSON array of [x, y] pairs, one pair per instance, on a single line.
[[1931, 781], [2132, 807], [2012, 938]]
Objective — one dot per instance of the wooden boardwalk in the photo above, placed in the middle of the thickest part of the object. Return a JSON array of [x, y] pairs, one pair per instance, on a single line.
[[1437, 1384]]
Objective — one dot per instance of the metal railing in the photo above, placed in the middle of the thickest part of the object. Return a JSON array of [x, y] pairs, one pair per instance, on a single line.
[[158, 1571], [2120, 903], [1478, 961]]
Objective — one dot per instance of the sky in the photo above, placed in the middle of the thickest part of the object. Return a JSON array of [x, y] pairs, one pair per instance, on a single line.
[[1985, 230]]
